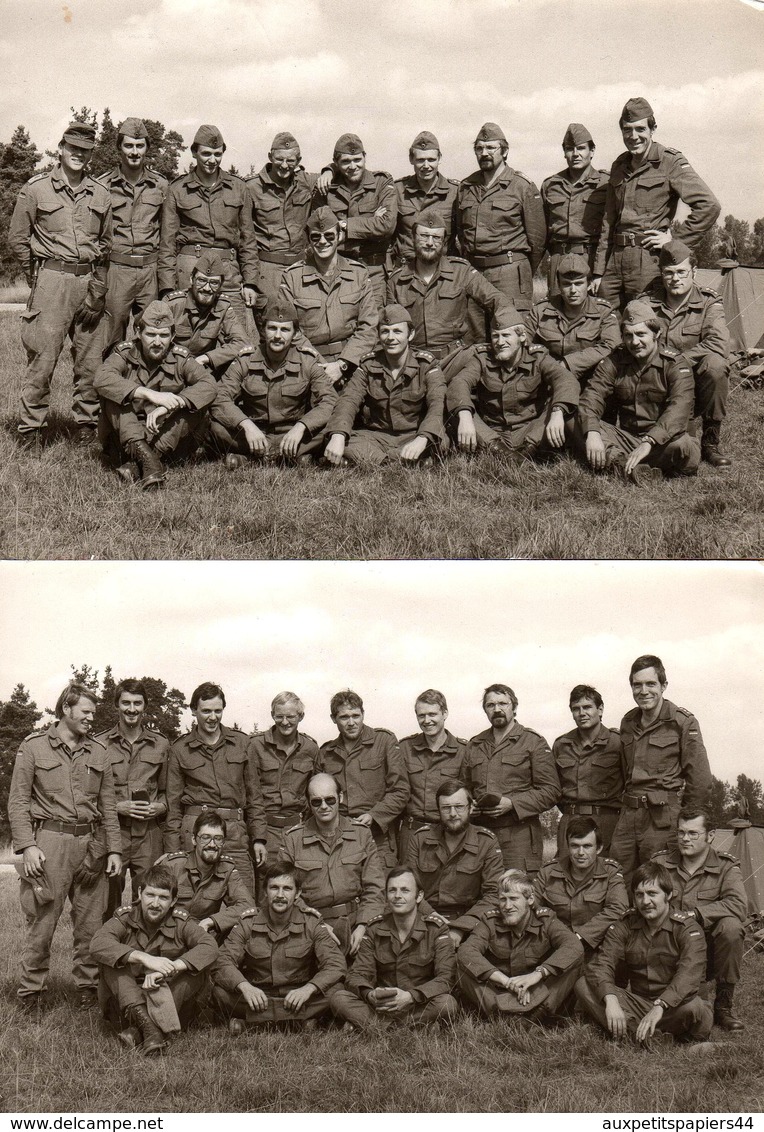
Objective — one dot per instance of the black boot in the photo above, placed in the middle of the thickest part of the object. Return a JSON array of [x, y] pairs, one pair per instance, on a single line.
[[153, 1039], [723, 1016], [709, 445], [152, 471]]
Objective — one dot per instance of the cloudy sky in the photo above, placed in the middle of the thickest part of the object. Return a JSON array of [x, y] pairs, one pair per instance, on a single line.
[[320, 67], [390, 630]]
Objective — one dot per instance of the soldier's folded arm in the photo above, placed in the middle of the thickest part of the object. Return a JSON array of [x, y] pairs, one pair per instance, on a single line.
[[237, 899], [373, 224], [545, 789], [616, 904]]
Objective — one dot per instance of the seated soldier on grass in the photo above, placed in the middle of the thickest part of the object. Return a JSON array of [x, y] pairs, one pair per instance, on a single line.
[[274, 403], [152, 956], [154, 398], [205, 322], [405, 968], [511, 395], [392, 407]]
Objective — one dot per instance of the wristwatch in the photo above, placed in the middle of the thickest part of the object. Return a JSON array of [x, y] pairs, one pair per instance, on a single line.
[[661, 1003]]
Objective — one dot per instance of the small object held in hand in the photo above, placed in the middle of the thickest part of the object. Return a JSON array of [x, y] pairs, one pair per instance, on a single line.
[[489, 801]]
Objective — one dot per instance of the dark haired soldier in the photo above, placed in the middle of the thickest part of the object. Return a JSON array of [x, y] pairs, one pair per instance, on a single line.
[[424, 190], [212, 768], [574, 203], [205, 321]]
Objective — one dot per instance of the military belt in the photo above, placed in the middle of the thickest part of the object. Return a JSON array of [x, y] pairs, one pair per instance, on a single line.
[[346, 909], [327, 348], [285, 258], [81, 268], [197, 249], [482, 261], [126, 259], [280, 821], [571, 247], [587, 808], [75, 829], [234, 815], [412, 822], [441, 352], [642, 801], [631, 240]]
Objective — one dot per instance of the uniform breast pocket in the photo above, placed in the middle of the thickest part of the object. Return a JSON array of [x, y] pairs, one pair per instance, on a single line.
[[529, 386], [663, 751], [595, 895], [371, 761], [96, 215], [51, 216], [92, 778], [351, 854], [295, 394], [258, 948], [650, 186], [231, 203], [299, 950], [469, 865], [350, 299]]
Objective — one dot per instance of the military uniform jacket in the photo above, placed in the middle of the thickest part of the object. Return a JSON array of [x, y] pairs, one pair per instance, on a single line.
[[460, 884], [214, 331], [647, 197], [508, 216], [424, 964], [275, 399], [53, 221], [519, 767], [284, 777], [574, 209], [346, 870], [591, 773], [176, 937], [141, 765], [125, 370], [439, 308], [193, 214], [695, 329], [426, 769], [505, 398], [412, 200], [581, 342], [371, 774], [492, 946], [338, 308], [665, 756], [414, 401], [223, 776], [50, 782], [671, 964], [713, 891], [366, 235], [220, 895], [654, 399], [280, 212], [136, 210], [588, 906], [281, 958]]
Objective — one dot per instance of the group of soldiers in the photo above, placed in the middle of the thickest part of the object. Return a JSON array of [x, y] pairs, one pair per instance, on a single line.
[[378, 881], [357, 319]]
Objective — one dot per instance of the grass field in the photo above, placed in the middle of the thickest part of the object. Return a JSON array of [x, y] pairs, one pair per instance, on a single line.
[[68, 505], [68, 1062]]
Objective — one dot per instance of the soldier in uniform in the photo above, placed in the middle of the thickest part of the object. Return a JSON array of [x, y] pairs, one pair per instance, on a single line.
[[212, 768], [61, 232], [138, 756], [428, 758], [405, 968], [576, 328], [584, 889], [152, 957], [274, 403], [63, 817], [664, 955], [574, 203], [392, 407], [208, 208], [645, 186], [651, 386], [512, 775], [366, 204], [154, 398], [436, 289], [334, 299], [708, 885], [693, 323], [137, 195], [665, 766], [459, 864], [588, 760], [210, 887], [205, 322], [341, 869], [279, 964], [500, 225], [511, 394], [520, 959], [424, 190]]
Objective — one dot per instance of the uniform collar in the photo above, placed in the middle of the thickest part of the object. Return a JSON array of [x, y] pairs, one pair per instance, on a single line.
[[419, 744]]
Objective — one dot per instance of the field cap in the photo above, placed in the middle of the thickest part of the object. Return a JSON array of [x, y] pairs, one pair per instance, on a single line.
[[673, 252], [425, 140], [636, 109], [573, 265], [321, 220], [348, 143], [133, 128], [209, 136], [576, 134], [507, 315], [210, 262], [393, 313], [81, 134], [489, 131], [40, 886], [430, 218], [637, 311], [284, 140], [278, 310], [158, 314]]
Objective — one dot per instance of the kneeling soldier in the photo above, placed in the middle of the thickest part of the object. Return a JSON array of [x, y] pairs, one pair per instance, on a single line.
[[206, 323]]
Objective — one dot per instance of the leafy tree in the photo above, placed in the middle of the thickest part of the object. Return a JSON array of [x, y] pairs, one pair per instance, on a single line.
[[749, 790], [18, 716], [757, 243], [165, 147], [165, 706], [720, 803], [104, 154], [18, 159], [739, 232], [707, 252]]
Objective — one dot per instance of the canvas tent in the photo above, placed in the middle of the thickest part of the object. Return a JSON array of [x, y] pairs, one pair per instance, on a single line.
[[742, 293], [746, 842]]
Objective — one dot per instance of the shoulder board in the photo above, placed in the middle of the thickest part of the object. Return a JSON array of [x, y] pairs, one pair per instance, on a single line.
[[385, 731], [728, 857], [174, 856], [123, 347], [174, 295], [297, 266], [383, 173], [483, 832], [453, 181], [673, 152], [37, 177], [305, 733], [491, 915], [683, 711], [458, 259], [238, 730], [248, 912], [481, 348], [367, 358], [543, 911], [354, 262], [603, 303], [181, 913], [181, 351], [228, 860], [668, 352], [374, 920], [682, 917], [438, 921], [292, 828], [660, 853], [180, 177], [421, 829], [709, 292], [536, 348], [124, 908], [424, 355], [616, 864], [312, 912], [519, 173]]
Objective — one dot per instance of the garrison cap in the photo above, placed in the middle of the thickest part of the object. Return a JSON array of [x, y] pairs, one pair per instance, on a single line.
[[81, 134], [348, 143], [576, 134], [278, 310], [489, 131], [393, 313], [284, 140], [133, 128], [636, 109], [637, 311], [673, 252], [430, 218], [425, 140], [209, 136], [158, 314], [321, 220], [573, 265], [210, 262], [505, 316]]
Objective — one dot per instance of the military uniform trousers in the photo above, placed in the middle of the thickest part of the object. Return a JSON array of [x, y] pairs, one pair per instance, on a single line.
[[225, 440], [724, 940], [236, 842], [441, 1008], [232, 1004], [120, 424], [64, 853], [123, 985], [712, 386], [131, 289], [642, 832], [629, 272], [528, 435], [492, 1001], [514, 280], [694, 1018], [521, 843], [142, 843], [681, 456], [370, 447], [45, 324]]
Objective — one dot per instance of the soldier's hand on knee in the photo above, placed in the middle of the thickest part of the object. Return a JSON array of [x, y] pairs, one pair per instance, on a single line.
[[615, 1017], [335, 449], [293, 439], [637, 456], [595, 451], [403, 1001], [466, 434], [555, 429], [646, 1027], [299, 997], [253, 996], [256, 439], [413, 449]]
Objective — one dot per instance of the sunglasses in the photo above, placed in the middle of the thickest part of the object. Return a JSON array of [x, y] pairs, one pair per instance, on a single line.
[[322, 237], [317, 803]]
